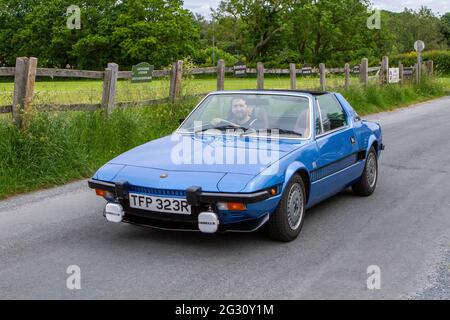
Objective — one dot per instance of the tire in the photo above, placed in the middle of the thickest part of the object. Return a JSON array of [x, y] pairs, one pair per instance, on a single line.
[[287, 221], [366, 185]]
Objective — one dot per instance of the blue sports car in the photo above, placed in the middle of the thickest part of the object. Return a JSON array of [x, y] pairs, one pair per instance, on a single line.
[[243, 160]]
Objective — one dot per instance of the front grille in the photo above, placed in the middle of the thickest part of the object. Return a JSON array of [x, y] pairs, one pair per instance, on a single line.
[[158, 192]]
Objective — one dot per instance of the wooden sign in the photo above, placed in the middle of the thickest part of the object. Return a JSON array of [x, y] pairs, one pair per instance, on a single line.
[[240, 69], [307, 70], [142, 72], [408, 71]]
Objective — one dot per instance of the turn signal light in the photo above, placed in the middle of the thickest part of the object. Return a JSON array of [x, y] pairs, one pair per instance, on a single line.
[[232, 206], [236, 206], [101, 193]]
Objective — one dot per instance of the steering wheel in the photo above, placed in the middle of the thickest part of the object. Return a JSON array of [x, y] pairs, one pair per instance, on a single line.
[[216, 121]]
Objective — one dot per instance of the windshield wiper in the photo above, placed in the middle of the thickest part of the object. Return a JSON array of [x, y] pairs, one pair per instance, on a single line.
[[286, 131], [282, 131]]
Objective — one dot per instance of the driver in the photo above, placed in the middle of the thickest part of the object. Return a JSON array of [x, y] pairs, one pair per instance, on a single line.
[[241, 113]]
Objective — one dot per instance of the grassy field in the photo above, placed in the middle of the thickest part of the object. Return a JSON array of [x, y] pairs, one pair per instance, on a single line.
[[90, 91], [59, 147]]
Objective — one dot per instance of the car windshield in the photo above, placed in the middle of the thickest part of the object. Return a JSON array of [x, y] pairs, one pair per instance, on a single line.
[[251, 114]]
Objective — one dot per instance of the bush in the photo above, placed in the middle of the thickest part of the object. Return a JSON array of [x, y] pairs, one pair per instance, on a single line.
[[441, 60], [375, 98]]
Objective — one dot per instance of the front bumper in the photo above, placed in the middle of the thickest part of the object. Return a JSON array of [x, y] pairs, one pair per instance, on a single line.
[[194, 195], [199, 200]]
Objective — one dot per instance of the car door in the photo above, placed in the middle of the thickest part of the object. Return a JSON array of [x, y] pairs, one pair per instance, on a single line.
[[337, 147]]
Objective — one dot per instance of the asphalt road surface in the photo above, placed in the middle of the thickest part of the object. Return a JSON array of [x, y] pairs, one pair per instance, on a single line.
[[404, 229]]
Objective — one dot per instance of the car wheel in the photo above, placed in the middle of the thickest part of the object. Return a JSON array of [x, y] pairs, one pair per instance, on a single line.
[[285, 224], [368, 181]]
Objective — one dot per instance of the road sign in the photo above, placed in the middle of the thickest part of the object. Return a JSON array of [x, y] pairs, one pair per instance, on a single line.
[[419, 45], [142, 72], [394, 75]]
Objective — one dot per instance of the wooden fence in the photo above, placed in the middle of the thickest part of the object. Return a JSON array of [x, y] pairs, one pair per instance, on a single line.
[[26, 71]]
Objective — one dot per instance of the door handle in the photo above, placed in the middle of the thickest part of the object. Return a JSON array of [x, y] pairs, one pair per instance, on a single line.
[[352, 140]]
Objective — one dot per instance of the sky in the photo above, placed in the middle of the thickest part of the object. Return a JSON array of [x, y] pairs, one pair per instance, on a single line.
[[438, 6]]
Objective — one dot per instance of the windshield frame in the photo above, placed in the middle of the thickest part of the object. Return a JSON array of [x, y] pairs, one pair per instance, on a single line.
[[255, 135]]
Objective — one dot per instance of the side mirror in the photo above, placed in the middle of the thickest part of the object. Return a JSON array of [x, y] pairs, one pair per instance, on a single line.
[[356, 119]]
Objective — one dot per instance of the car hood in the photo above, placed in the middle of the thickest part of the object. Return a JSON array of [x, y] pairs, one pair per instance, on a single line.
[[216, 154], [178, 162]]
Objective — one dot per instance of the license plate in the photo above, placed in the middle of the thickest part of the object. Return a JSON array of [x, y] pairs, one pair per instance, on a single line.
[[158, 204]]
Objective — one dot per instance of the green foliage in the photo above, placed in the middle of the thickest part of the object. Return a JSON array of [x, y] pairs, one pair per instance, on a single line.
[[375, 98], [204, 57], [126, 32], [445, 21], [329, 31], [409, 26], [276, 32], [441, 60]]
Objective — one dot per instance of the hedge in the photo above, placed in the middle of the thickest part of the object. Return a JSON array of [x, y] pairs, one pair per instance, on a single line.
[[441, 59]]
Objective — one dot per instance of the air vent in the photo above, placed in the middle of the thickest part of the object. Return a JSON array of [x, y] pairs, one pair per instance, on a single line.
[[159, 192]]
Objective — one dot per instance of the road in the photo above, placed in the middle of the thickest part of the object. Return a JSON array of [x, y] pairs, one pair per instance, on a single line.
[[404, 228]]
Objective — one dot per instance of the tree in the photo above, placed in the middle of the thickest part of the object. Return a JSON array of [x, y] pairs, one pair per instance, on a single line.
[[409, 26], [159, 31], [326, 28], [445, 21], [125, 32], [261, 21]]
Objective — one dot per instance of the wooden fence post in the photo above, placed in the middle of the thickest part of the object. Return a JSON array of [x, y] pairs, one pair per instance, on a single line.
[[24, 80], [347, 75], [323, 79], [31, 80], [430, 67], [384, 71], [109, 88], [221, 75], [293, 74], [175, 81], [400, 71], [260, 77], [364, 71]]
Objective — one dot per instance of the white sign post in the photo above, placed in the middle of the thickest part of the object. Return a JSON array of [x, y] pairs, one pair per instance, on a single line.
[[419, 46], [394, 75]]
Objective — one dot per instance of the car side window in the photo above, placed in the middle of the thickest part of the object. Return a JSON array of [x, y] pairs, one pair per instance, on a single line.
[[333, 116]]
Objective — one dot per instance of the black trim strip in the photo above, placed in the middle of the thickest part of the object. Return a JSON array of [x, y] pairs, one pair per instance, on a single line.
[[97, 184], [195, 196], [337, 165]]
